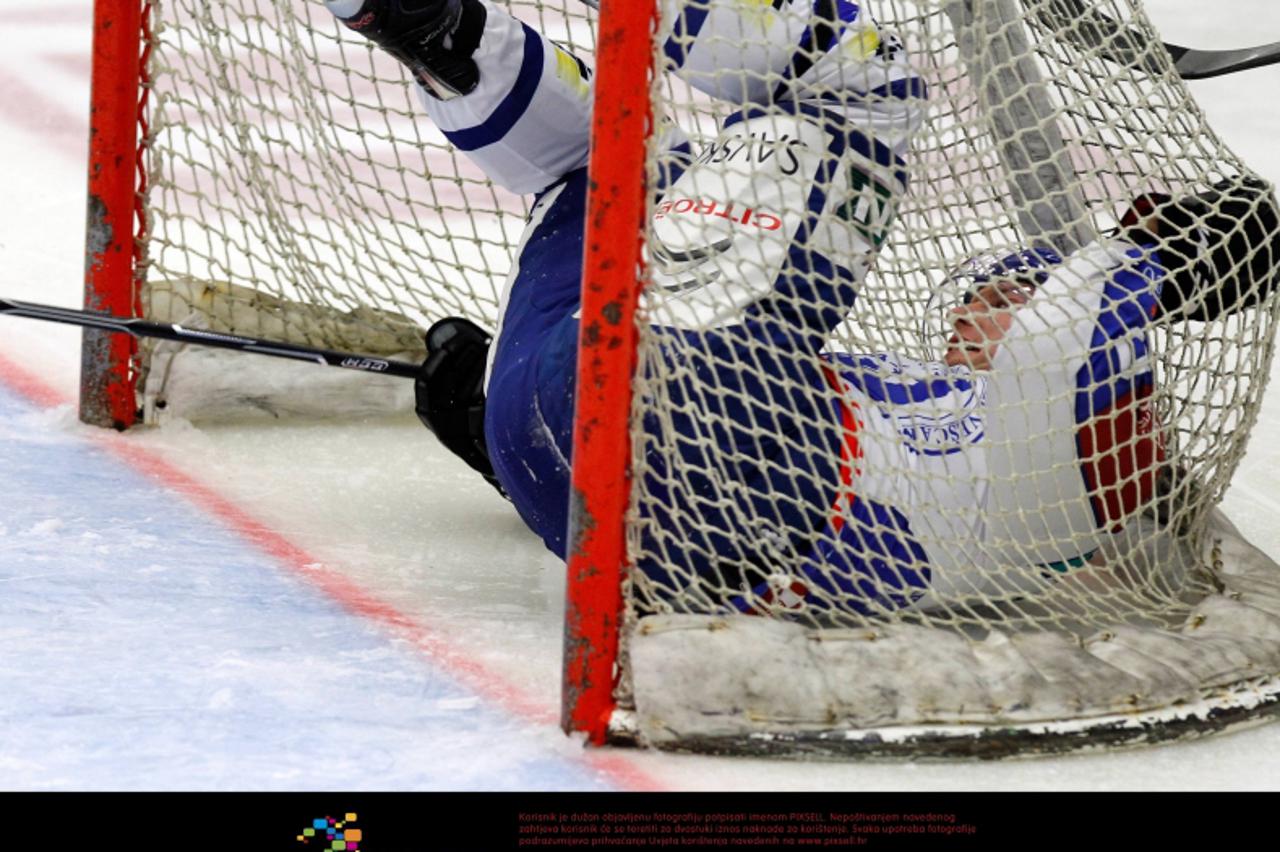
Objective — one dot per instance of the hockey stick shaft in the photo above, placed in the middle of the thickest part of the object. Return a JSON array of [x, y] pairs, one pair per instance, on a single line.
[[1126, 45], [173, 331], [1098, 31]]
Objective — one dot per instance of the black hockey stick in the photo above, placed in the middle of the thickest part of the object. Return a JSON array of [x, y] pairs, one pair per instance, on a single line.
[[1199, 64], [1127, 45], [173, 331]]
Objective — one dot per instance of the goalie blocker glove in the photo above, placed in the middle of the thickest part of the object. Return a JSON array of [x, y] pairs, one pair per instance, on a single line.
[[433, 38], [1220, 247], [449, 391]]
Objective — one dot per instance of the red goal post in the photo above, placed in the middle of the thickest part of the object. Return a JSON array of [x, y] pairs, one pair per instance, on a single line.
[[622, 123], [115, 271], [115, 217]]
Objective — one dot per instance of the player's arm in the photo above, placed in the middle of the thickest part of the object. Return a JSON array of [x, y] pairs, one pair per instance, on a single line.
[[806, 173], [764, 54], [828, 60], [1118, 437], [513, 101], [1195, 258]]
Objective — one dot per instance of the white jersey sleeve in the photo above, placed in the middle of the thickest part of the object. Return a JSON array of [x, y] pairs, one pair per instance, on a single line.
[[812, 163], [1008, 475], [1071, 439]]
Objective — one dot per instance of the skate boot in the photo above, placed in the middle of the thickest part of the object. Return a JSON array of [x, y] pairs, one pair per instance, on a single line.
[[449, 392], [433, 38]]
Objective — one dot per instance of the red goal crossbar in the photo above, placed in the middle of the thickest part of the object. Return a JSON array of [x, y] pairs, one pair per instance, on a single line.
[[617, 203]]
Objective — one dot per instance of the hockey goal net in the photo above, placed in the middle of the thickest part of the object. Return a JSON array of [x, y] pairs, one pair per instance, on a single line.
[[290, 187]]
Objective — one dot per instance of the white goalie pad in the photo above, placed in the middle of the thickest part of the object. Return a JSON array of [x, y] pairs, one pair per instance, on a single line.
[[202, 384], [748, 684]]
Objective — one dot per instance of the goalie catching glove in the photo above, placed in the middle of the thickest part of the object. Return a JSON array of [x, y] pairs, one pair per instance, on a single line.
[[1220, 247], [449, 391]]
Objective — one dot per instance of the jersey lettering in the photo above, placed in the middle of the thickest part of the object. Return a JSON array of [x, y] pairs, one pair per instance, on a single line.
[[756, 148]]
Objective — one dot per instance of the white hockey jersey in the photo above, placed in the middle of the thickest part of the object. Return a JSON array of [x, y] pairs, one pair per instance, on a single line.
[[991, 479]]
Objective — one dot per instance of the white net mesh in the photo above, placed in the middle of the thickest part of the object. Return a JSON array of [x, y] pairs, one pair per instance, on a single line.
[[991, 510], [289, 164]]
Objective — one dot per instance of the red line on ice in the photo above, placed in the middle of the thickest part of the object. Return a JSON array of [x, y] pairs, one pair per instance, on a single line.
[[441, 652], [27, 384]]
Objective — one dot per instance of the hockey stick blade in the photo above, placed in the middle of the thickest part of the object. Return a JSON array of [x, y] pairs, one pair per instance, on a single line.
[[1128, 45], [199, 337], [1201, 64]]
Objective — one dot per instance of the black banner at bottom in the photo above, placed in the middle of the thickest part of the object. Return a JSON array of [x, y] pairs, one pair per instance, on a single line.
[[495, 822]]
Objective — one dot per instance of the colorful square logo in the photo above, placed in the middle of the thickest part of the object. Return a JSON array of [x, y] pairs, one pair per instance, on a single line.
[[334, 835]]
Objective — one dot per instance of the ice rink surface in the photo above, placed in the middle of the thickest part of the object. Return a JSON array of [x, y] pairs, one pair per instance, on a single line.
[[320, 606]]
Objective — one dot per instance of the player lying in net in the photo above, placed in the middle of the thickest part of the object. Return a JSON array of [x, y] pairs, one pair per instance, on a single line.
[[868, 482]]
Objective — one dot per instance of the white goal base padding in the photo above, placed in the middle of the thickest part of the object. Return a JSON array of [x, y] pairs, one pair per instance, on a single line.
[[202, 384], [742, 684]]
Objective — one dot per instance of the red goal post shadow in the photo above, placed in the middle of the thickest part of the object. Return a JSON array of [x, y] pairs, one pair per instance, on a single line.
[[612, 274]]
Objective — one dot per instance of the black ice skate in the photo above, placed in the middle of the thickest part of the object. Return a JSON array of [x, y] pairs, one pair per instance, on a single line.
[[449, 392], [434, 38]]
